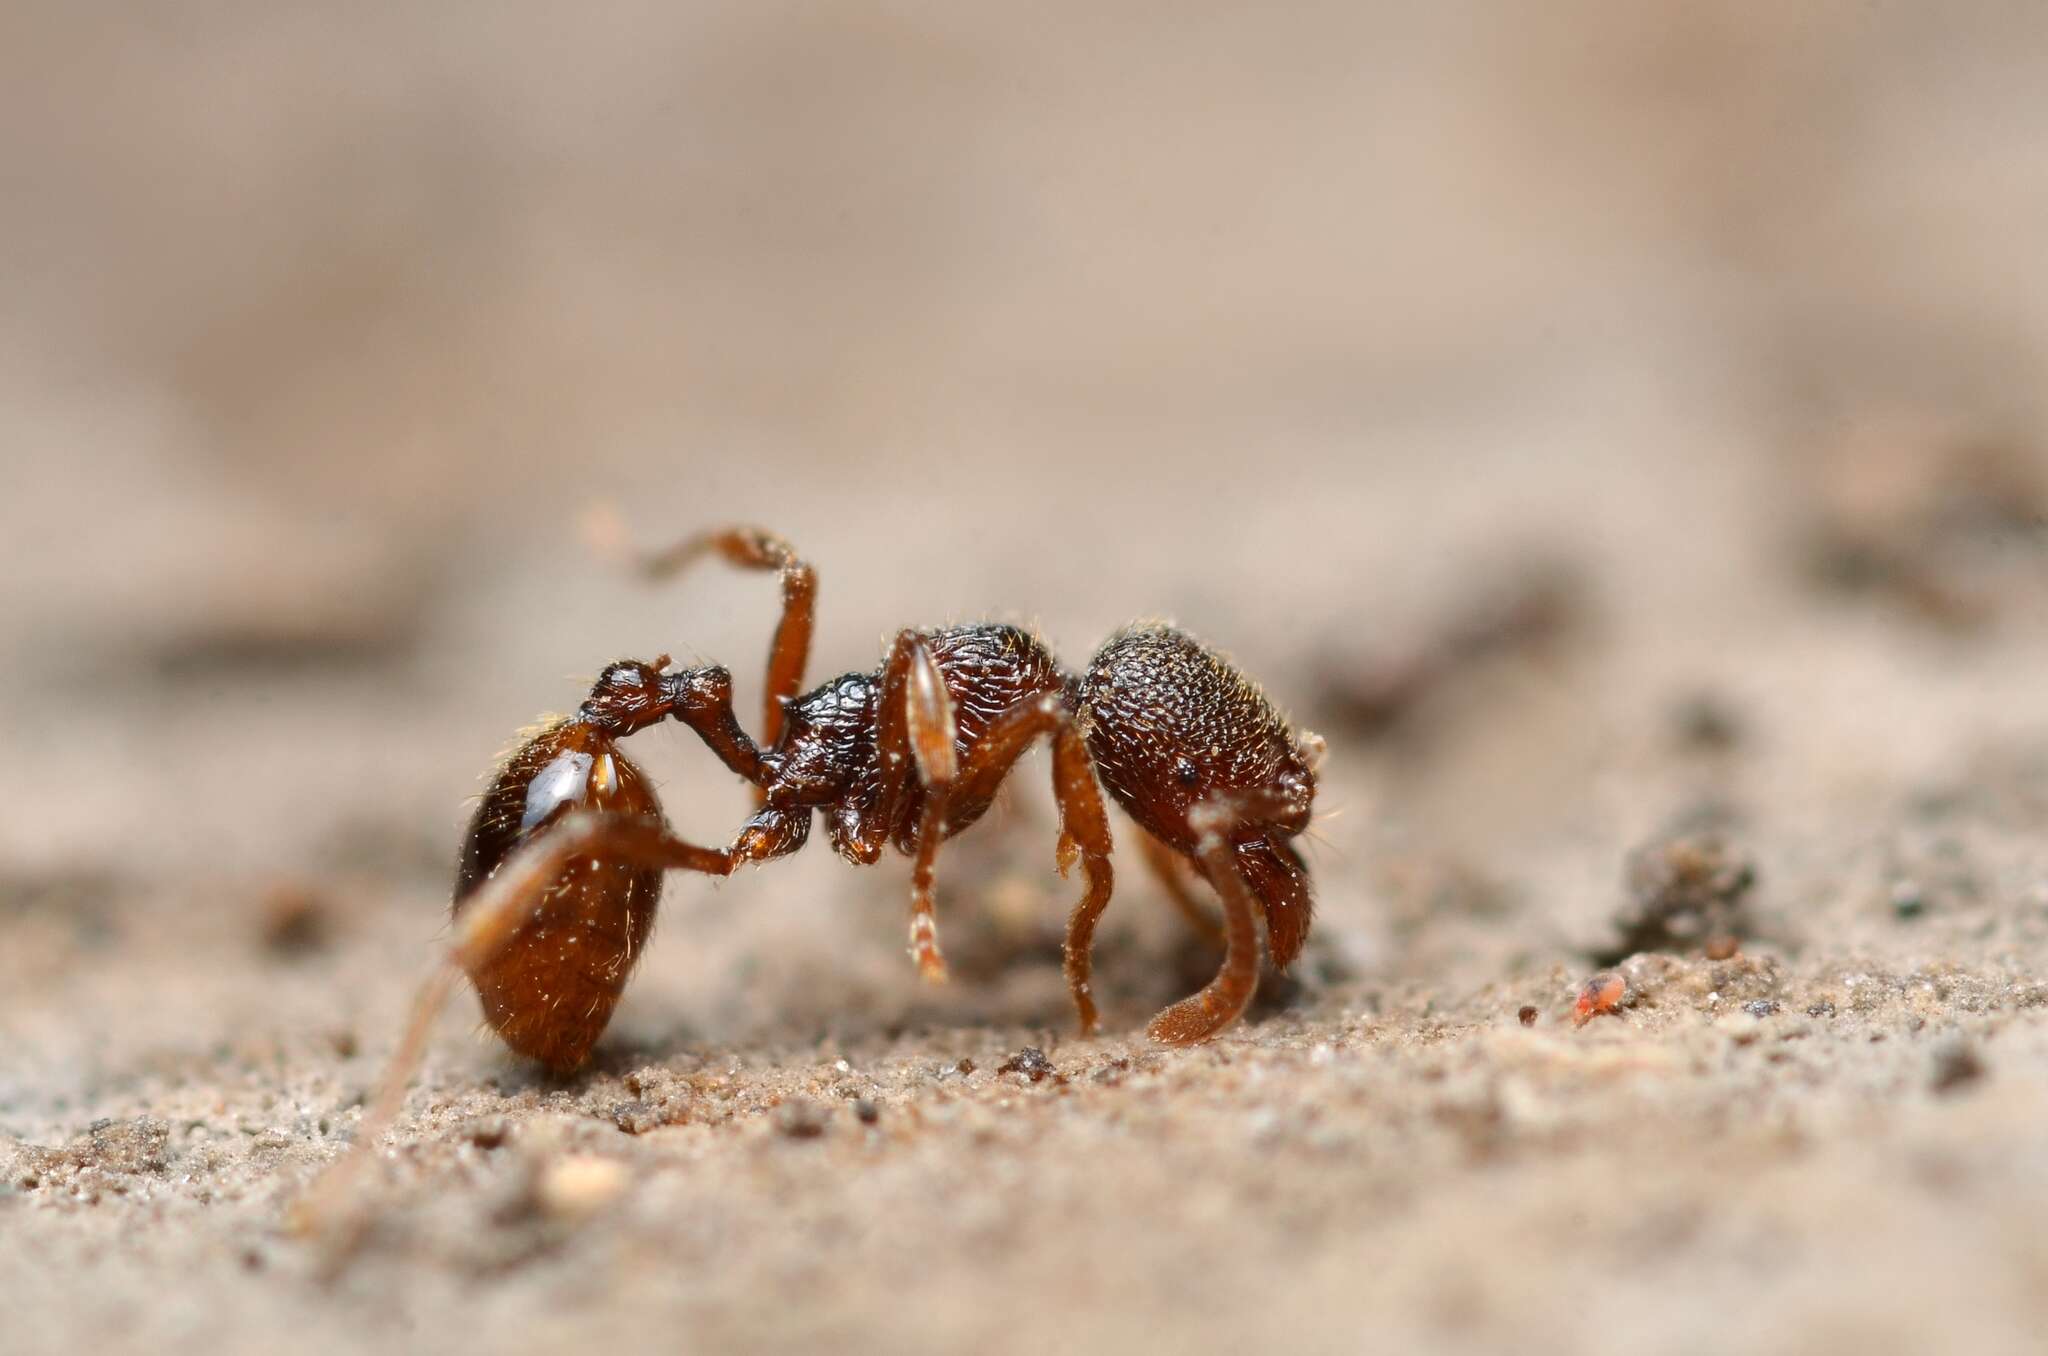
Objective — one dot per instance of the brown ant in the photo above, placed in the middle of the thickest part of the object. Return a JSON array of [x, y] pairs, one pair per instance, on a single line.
[[563, 862]]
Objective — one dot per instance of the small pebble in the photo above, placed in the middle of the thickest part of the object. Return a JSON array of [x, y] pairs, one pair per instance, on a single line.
[[635, 1118], [1528, 1014], [138, 1145], [577, 1187], [489, 1132], [296, 919], [800, 1118], [1030, 1062], [1908, 901], [1684, 890], [1112, 1073], [1705, 721], [867, 1111], [1723, 946], [1956, 1066]]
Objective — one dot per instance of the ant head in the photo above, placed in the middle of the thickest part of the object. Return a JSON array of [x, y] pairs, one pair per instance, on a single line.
[[627, 696]]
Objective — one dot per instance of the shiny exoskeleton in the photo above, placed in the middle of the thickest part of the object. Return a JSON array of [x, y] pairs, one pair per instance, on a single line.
[[562, 866]]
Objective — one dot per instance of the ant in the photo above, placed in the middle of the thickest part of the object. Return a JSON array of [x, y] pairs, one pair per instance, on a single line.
[[563, 862]]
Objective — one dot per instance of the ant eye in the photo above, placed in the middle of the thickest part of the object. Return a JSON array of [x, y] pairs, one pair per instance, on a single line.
[[1185, 772]]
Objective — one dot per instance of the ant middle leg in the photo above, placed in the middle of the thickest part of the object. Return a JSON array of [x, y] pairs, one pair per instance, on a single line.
[[1084, 833]]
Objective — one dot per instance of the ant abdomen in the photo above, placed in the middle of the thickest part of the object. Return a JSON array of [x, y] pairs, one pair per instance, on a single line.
[[550, 988]]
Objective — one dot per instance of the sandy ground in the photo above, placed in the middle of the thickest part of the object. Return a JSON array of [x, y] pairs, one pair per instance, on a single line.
[[1604, 443]]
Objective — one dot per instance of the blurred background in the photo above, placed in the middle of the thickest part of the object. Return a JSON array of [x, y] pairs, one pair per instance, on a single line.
[[1594, 417], [325, 324]]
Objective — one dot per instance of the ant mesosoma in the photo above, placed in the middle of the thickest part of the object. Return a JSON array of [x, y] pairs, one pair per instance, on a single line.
[[563, 862]]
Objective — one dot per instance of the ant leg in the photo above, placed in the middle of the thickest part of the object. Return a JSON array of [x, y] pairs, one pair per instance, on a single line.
[[924, 925], [754, 548], [892, 729], [1279, 881], [1084, 831], [927, 737], [1166, 867], [1084, 825], [487, 924], [1196, 1018]]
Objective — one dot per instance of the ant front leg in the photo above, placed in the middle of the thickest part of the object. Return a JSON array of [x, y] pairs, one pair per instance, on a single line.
[[490, 921], [754, 548], [1196, 1018]]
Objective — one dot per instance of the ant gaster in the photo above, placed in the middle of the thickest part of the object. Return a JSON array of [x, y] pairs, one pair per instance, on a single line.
[[563, 862]]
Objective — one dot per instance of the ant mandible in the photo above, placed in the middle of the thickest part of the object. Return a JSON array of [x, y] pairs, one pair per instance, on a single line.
[[563, 862]]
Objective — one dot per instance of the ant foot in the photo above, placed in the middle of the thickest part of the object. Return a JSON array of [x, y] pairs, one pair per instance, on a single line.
[[924, 949]]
